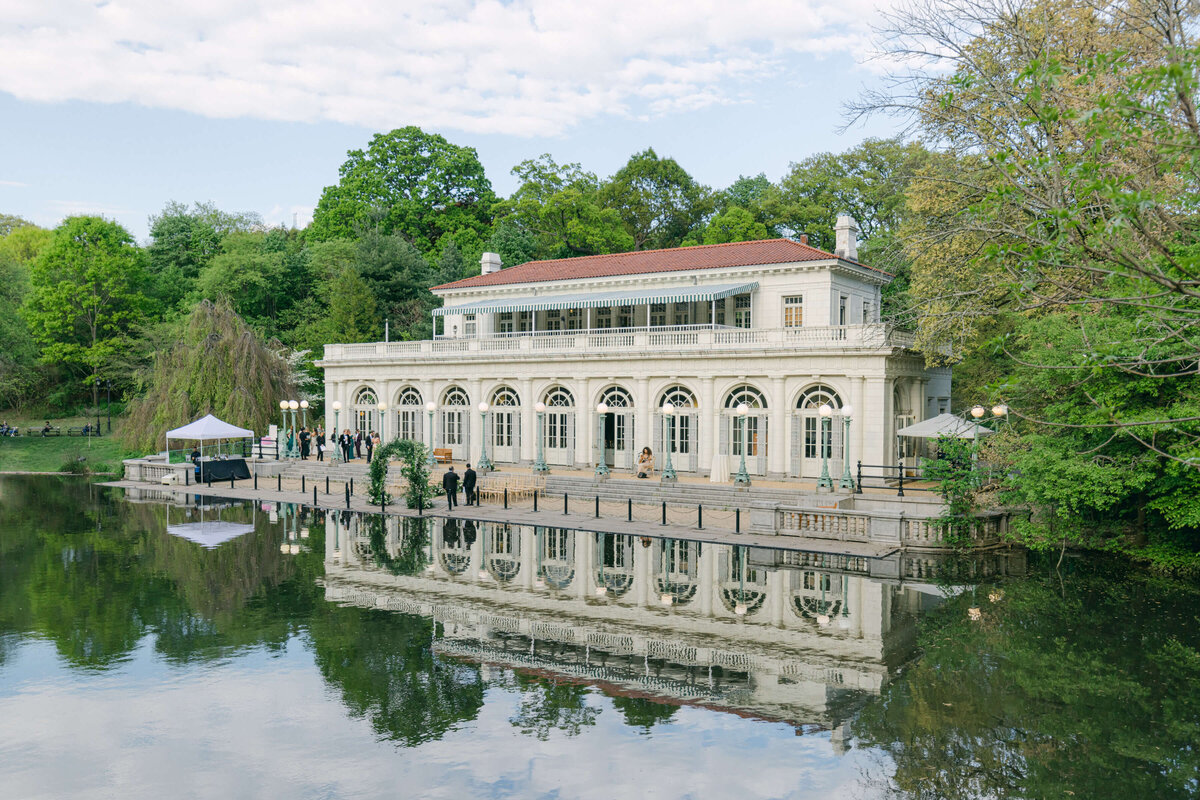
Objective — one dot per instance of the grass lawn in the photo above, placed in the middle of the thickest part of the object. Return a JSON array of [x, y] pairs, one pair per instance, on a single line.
[[35, 454]]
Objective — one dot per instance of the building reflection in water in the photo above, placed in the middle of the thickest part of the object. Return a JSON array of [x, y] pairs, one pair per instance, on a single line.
[[803, 638]]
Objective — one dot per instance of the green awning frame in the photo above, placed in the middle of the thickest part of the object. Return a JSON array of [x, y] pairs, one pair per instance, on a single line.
[[690, 294]]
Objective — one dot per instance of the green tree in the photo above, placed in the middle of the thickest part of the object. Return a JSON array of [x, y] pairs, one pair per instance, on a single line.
[[1062, 240], [513, 243], [10, 222], [353, 314], [211, 363], [399, 277], [735, 224], [182, 243], [659, 202], [86, 296], [419, 185], [561, 206], [868, 182], [20, 375]]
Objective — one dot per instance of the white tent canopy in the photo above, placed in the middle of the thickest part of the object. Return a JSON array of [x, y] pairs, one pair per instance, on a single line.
[[210, 534], [208, 428], [944, 425]]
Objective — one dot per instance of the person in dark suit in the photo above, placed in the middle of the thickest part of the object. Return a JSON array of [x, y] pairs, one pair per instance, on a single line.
[[469, 496], [358, 442], [450, 484], [468, 533], [347, 443], [369, 441], [305, 443]]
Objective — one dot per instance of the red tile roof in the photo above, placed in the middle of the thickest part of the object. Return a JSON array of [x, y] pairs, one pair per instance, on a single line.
[[706, 256]]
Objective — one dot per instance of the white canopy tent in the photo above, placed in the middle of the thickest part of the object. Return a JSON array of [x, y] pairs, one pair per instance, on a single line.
[[210, 534], [208, 428], [944, 425]]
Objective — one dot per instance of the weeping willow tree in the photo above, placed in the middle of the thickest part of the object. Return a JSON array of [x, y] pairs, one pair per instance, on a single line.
[[215, 364]]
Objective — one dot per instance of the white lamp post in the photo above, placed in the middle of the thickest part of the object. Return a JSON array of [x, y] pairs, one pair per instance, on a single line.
[[540, 465], [337, 413], [430, 407], [668, 474], [825, 482], [382, 406], [485, 463], [847, 481], [283, 407], [602, 470], [294, 450], [304, 413], [743, 477]]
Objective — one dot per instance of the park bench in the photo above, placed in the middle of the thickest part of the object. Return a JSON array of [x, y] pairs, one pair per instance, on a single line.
[[78, 431], [443, 455], [38, 432]]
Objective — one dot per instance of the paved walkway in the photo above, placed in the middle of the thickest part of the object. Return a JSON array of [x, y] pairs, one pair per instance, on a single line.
[[718, 526]]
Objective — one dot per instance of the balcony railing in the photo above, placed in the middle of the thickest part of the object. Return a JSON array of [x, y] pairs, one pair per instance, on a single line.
[[681, 339]]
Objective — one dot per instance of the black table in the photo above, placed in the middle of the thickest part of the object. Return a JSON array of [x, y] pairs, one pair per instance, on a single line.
[[224, 470]]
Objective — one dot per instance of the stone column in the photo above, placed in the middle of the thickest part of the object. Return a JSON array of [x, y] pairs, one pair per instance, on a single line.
[[529, 565], [475, 390], [708, 430], [644, 412], [529, 431], [777, 598], [584, 544], [777, 434], [429, 391], [858, 395], [709, 585]]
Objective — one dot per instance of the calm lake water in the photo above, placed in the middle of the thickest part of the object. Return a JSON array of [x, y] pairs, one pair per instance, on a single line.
[[223, 650]]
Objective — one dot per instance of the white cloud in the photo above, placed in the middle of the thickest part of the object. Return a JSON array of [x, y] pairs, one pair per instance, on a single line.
[[526, 67], [14, 184]]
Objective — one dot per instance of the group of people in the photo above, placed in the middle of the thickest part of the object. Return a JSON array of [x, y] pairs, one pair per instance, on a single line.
[[350, 444], [450, 484], [9, 430]]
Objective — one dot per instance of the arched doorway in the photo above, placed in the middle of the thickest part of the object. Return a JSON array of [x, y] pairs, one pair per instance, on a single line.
[[505, 422], [455, 429], [682, 429], [558, 427], [620, 448], [807, 444], [366, 406], [755, 444], [409, 415]]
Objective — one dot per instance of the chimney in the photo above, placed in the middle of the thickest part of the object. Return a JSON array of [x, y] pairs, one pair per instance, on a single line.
[[846, 230], [804, 238], [489, 263]]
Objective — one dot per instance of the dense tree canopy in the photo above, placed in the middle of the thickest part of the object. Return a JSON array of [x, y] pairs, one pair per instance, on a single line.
[[86, 295], [411, 183]]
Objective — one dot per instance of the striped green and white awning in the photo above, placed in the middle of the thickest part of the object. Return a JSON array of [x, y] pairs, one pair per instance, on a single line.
[[689, 294]]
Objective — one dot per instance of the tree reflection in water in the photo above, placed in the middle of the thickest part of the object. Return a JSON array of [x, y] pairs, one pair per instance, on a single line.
[[1084, 684]]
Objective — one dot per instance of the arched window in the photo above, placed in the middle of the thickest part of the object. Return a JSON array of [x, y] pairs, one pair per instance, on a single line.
[[816, 396], [558, 424], [745, 394], [505, 396], [678, 396], [558, 397], [455, 404], [616, 397], [409, 397], [365, 403], [408, 414]]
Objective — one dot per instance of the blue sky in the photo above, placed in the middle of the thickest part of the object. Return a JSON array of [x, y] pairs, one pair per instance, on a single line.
[[118, 107]]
